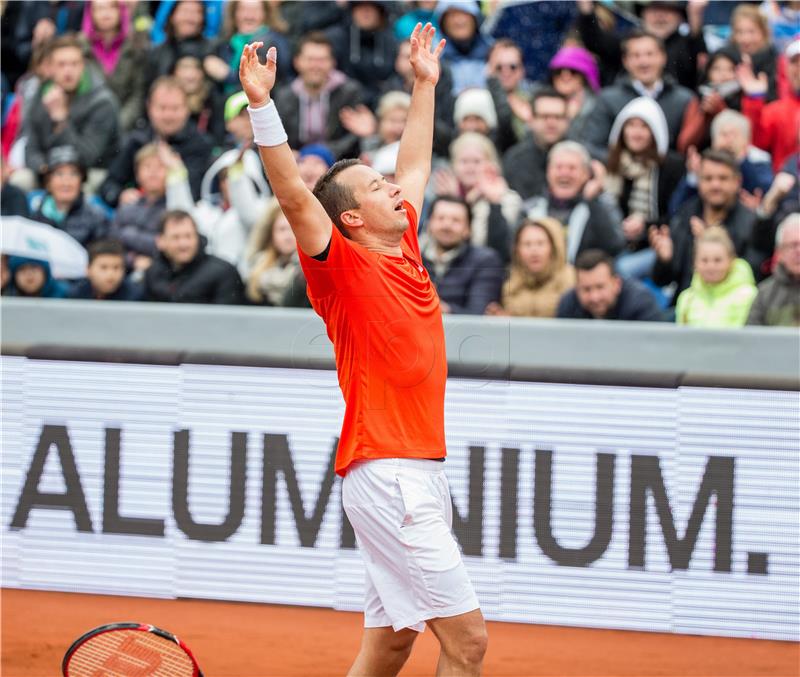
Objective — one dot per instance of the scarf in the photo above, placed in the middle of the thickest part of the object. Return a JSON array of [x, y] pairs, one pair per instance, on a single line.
[[641, 177], [275, 280], [237, 43]]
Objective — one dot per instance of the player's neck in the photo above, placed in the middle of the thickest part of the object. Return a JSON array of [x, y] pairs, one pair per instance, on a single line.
[[379, 245]]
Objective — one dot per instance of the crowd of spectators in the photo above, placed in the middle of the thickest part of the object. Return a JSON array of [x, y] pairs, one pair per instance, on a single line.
[[620, 161]]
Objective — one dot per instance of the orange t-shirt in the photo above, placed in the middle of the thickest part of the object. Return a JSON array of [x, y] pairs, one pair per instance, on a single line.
[[382, 314]]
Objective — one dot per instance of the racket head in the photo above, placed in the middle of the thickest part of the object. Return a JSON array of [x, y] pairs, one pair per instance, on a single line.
[[129, 650]]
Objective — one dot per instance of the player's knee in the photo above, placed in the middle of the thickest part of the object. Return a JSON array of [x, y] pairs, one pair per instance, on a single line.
[[471, 647], [401, 642]]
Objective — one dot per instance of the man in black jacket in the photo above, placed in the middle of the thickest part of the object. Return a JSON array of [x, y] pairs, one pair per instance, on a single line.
[[310, 104], [183, 272], [644, 58], [467, 278], [168, 115], [601, 294]]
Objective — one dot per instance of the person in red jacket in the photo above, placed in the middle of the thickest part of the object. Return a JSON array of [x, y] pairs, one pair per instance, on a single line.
[[775, 125]]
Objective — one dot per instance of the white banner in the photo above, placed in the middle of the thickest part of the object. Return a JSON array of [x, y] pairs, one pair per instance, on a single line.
[[597, 506]]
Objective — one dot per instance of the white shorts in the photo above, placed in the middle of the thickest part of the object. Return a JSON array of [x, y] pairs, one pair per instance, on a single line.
[[402, 516]]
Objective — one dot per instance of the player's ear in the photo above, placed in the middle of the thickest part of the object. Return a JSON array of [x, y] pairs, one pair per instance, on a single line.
[[351, 219]]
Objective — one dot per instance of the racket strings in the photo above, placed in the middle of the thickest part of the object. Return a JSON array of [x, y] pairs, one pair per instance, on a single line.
[[129, 653]]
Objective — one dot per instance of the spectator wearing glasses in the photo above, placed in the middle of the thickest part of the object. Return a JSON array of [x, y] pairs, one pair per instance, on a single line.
[[511, 90]]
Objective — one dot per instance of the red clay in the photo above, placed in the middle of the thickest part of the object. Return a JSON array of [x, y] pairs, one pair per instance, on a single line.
[[254, 640]]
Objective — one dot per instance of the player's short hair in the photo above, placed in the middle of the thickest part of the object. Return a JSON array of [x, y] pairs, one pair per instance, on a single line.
[[334, 196], [106, 248], [591, 258]]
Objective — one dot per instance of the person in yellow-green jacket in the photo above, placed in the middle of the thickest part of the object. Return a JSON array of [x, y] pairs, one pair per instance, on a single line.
[[722, 288]]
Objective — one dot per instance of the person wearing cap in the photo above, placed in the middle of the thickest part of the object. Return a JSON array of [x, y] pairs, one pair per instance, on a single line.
[[775, 125], [63, 204], [660, 18], [313, 161]]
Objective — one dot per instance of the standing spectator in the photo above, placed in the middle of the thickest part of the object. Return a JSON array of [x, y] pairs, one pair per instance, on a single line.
[[720, 90], [184, 37], [511, 91], [467, 50], [778, 300], [539, 275], [722, 288], [525, 163], [246, 21], [365, 46], [476, 177], [467, 278], [168, 120], [272, 268], [105, 276], [600, 294], [750, 37], [644, 58], [310, 105], [74, 108], [183, 272], [776, 124], [717, 204], [32, 278], [63, 205], [642, 173], [661, 19], [135, 222], [589, 223]]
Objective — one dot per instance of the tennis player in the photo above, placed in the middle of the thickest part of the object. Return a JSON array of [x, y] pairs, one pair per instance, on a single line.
[[357, 241]]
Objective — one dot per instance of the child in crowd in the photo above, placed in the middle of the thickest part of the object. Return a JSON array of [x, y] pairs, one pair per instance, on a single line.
[[105, 276], [723, 287], [32, 278]]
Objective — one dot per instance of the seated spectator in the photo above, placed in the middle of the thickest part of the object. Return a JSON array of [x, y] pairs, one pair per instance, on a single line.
[[717, 204], [63, 204], [313, 161], [474, 111], [775, 124], [644, 58], [778, 300], [750, 38], [539, 274], [246, 21], [525, 163], [74, 108], [511, 91], [206, 103], [168, 120], [32, 278], [403, 81], [722, 288], [224, 224], [467, 278], [183, 272], [377, 132], [719, 90], [662, 19], [589, 223], [467, 49], [365, 45], [476, 177], [272, 267], [105, 276], [184, 37], [135, 223], [119, 48], [642, 173], [316, 96], [600, 294]]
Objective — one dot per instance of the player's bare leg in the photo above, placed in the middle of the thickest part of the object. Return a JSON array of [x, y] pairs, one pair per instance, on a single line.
[[383, 652], [463, 640]]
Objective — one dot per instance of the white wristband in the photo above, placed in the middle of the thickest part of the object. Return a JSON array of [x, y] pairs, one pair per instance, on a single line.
[[267, 126]]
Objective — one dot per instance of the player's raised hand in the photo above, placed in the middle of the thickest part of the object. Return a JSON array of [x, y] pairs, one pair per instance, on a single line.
[[257, 79], [424, 59]]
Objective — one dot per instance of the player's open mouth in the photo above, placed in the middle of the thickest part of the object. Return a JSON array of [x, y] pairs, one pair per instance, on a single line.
[[399, 207]]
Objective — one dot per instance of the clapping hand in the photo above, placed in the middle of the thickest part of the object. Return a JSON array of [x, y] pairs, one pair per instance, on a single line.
[[661, 242]]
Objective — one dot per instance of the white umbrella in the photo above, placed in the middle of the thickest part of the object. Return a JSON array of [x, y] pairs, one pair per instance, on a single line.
[[22, 237]]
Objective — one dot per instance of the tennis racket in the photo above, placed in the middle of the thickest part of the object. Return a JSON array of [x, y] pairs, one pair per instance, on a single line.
[[129, 650]]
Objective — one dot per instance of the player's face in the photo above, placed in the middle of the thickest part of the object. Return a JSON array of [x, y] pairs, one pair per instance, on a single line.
[[380, 201]]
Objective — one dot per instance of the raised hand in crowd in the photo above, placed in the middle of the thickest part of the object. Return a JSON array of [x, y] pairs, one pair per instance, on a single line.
[[129, 196], [695, 13], [359, 120], [216, 68], [56, 104], [693, 159], [661, 242], [712, 103], [697, 225], [751, 200], [520, 107], [782, 185], [492, 186], [594, 186], [751, 84], [44, 30], [633, 226], [445, 182], [170, 159]]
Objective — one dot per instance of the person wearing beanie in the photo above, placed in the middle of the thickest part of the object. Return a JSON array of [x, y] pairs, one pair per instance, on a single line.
[[574, 73], [642, 173], [32, 278], [474, 112], [313, 161]]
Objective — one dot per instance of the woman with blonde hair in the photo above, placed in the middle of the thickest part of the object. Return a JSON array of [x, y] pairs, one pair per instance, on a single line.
[[271, 263], [539, 273], [752, 39], [723, 287]]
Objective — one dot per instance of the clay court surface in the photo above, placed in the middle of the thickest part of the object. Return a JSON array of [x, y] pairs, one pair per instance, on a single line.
[[254, 640]]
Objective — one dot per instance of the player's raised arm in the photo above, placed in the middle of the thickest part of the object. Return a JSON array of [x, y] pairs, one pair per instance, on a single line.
[[311, 225], [414, 157]]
